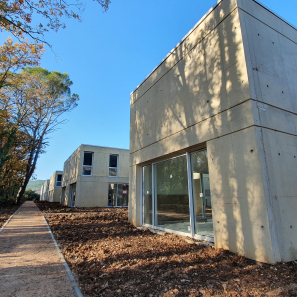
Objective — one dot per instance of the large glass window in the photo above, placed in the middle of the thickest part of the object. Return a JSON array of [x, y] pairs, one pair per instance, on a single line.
[[169, 203], [113, 165], [72, 194], [201, 194], [59, 180], [118, 195], [87, 163], [147, 190], [171, 192]]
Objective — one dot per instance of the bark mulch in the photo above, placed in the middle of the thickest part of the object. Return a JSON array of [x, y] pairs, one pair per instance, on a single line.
[[113, 258], [56, 207], [6, 212]]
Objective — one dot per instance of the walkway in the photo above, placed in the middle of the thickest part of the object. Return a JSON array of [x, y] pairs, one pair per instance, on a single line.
[[30, 264]]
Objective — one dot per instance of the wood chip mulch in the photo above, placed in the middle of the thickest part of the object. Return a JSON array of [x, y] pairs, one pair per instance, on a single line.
[[113, 258], [6, 212], [56, 207]]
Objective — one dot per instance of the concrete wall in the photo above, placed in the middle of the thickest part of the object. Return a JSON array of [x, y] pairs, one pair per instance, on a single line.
[[271, 46], [55, 193], [45, 191], [228, 86], [93, 190]]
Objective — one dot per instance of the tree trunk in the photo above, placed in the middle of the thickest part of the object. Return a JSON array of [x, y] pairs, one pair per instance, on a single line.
[[22, 190]]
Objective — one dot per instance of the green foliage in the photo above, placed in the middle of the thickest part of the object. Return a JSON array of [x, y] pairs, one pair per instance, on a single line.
[[35, 103], [30, 195], [6, 201], [35, 185]]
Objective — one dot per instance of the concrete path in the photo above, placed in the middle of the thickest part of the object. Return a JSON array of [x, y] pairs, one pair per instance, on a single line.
[[30, 264]]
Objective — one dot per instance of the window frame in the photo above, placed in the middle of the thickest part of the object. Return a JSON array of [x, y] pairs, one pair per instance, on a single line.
[[192, 234], [57, 181], [91, 166], [113, 167]]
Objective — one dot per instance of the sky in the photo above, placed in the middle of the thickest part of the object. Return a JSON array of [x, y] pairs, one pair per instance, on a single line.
[[106, 56]]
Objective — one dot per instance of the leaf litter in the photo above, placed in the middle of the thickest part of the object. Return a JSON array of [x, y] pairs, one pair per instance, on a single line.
[[113, 258]]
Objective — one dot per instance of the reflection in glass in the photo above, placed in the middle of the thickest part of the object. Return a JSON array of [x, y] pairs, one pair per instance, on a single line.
[[87, 170], [112, 171], [118, 195], [201, 194], [111, 195], [147, 195], [172, 199], [125, 194], [72, 194]]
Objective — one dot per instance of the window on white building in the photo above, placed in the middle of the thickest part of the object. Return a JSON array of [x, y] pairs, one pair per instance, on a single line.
[[113, 165], [87, 163], [59, 180]]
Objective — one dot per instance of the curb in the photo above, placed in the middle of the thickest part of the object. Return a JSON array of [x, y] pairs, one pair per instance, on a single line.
[[2, 228], [74, 283]]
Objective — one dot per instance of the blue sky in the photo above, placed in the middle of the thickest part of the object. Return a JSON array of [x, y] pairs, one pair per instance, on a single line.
[[107, 55]]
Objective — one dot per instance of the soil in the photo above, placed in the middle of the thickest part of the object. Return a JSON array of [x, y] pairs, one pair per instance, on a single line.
[[6, 212], [113, 258], [56, 207]]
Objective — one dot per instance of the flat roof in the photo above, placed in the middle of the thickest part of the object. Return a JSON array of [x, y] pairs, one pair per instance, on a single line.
[[116, 148], [196, 25]]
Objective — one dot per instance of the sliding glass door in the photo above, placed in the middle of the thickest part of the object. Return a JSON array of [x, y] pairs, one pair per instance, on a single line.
[[171, 192], [176, 195]]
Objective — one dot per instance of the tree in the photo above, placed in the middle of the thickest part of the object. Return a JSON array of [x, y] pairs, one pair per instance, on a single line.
[[35, 103], [13, 57], [31, 195], [33, 18]]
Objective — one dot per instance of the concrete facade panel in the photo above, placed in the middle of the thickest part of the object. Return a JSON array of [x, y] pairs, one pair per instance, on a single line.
[[238, 198], [280, 156], [273, 64], [55, 192], [234, 119], [198, 33]]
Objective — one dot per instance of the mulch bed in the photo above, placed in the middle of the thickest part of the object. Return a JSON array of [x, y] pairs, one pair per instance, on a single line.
[[56, 207], [113, 258], [6, 212]]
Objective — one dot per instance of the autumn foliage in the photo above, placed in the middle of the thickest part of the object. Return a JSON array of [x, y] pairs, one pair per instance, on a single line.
[[33, 18]]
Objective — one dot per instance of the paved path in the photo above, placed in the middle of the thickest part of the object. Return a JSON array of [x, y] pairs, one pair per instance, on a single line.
[[30, 264]]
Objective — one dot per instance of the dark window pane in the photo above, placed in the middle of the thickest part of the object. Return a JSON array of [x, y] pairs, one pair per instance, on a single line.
[[147, 195], [59, 178], [113, 161], [87, 158]]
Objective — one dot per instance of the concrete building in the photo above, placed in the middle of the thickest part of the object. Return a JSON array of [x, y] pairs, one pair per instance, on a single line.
[[213, 146], [44, 191], [55, 187], [96, 176]]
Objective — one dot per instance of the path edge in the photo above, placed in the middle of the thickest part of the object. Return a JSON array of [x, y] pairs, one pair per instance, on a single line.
[[72, 279], [2, 228]]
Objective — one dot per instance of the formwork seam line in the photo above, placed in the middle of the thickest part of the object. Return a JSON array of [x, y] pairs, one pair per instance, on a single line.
[[9, 219], [72, 279]]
